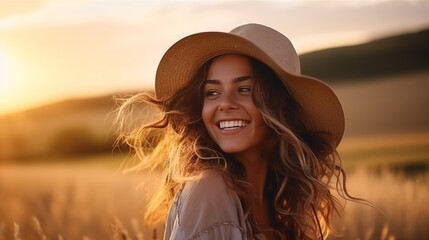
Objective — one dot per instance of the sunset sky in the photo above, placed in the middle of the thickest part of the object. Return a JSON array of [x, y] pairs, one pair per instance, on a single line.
[[52, 50]]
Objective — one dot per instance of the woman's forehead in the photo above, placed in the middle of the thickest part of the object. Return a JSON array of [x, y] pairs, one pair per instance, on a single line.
[[232, 66]]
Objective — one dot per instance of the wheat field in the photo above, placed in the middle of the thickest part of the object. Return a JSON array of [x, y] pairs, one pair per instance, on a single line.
[[73, 200], [90, 199]]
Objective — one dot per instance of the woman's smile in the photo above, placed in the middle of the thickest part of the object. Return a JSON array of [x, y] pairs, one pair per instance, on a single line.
[[232, 125], [229, 114]]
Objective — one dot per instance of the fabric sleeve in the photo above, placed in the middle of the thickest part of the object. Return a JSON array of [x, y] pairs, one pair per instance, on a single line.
[[208, 209]]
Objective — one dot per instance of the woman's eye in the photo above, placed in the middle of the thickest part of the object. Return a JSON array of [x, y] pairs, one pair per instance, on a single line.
[[245, 89], [211, 93]]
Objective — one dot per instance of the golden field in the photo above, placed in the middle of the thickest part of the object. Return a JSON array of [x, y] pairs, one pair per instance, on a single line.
[[77, 200], [89, 199]]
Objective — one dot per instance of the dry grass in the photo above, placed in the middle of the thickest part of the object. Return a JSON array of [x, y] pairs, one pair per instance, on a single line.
[[74, 200], [89, 201], [400, 206], [119, 232]]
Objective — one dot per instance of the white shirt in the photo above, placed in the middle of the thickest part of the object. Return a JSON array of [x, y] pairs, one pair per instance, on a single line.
[[206, 209]]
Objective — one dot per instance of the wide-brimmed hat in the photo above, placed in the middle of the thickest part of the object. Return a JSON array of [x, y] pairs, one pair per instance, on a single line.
[[322, 111]]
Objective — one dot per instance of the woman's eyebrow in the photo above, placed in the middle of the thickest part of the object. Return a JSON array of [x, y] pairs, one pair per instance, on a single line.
[[211, 81], [242, 79], [235, 80]]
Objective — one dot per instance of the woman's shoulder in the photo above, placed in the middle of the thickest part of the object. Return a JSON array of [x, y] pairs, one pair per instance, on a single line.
[[209, 202], [209, 181], [208, 189]]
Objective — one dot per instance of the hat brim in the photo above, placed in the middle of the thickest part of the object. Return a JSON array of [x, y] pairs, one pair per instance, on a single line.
[[321, 108]]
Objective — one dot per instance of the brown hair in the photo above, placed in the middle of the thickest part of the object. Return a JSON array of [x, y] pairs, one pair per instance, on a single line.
[[302, 166]]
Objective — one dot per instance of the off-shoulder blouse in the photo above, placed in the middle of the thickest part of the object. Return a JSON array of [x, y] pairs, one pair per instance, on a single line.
[[206, 209]]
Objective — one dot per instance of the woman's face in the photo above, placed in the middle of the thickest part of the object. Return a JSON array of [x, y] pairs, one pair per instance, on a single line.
[[231, 118]]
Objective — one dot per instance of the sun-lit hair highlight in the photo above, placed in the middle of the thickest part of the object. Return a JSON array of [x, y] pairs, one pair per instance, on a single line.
[[304, 167]]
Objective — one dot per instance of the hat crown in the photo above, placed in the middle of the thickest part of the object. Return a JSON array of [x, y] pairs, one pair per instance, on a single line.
[[276, 45]]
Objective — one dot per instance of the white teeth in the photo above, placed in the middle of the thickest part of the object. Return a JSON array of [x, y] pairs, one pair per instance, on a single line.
[[232, 124]]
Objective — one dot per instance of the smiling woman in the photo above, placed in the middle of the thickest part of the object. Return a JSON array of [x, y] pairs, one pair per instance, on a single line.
[[249, 144], [233, 128]]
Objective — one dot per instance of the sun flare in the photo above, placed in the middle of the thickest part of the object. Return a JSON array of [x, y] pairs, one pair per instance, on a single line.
[[7, 83], [5, 72]]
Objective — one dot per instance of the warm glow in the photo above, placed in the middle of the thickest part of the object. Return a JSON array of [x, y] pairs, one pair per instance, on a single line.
[[18, 89], [55, 50], [330, 40], [6, 81]]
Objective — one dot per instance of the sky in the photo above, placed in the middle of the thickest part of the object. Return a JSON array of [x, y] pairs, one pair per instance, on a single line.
[[52, 50]]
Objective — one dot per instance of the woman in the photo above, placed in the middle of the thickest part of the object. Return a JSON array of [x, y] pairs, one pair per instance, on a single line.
[[248, 144]]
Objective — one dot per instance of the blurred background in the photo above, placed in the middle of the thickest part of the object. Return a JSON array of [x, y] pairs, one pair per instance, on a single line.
[[62, 62]]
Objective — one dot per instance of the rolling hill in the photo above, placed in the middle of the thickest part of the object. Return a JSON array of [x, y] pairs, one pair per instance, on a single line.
[[382, 85], [387, 56]]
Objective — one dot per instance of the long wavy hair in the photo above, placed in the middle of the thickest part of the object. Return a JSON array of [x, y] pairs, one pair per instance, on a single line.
[[304, 168]]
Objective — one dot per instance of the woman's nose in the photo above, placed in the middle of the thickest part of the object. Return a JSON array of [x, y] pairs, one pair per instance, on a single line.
[[228, 103]]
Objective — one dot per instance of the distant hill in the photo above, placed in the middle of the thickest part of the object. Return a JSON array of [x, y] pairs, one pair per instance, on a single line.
[[69, 107], [388, 56], [71, 127], [48, 129], [387, 95]]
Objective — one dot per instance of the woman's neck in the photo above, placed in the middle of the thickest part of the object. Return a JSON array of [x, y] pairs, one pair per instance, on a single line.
[[257, 166], [257, 169]]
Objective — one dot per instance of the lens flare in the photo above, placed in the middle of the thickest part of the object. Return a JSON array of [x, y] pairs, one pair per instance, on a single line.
[[6, 81]]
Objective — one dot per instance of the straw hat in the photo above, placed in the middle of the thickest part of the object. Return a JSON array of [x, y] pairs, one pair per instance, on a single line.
[[322, 109]]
